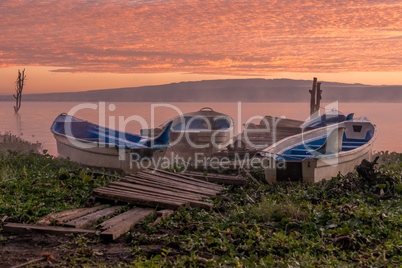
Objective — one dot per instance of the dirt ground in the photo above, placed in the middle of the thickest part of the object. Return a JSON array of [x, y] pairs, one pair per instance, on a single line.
[[61, 251]]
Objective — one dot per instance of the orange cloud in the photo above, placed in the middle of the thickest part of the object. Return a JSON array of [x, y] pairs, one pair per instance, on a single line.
[[203, 36]]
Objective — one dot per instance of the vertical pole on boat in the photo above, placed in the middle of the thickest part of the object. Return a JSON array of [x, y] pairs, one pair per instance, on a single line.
[[318, 99], [313, 95]]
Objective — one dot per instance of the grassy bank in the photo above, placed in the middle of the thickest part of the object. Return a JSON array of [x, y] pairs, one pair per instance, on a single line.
[[33, 185], [353, 220]]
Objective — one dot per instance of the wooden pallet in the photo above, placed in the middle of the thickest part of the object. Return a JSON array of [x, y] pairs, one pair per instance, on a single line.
[[160, 189], [80, 221], [152, 189]]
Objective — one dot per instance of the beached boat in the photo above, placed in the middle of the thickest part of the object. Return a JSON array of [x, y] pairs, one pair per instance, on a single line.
[[93, 145], [203, 131], [320, 153], [272, 129]]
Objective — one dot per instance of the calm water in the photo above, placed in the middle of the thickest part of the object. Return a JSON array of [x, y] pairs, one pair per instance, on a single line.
[[36, 117]]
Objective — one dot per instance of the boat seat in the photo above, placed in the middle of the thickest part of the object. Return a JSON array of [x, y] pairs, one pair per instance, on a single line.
[[178, 127], [348, 148], [299, 152], [356, 142], [221, 124], [333, 144]]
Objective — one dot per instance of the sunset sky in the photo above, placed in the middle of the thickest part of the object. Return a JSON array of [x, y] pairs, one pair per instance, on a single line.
[[80, 45]]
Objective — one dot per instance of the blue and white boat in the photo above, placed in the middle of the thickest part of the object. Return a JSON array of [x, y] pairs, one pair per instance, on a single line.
[[321, 153], [205, 131], [93, 145]]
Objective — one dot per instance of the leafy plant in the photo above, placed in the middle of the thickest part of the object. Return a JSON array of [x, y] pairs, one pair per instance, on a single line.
[[34, 185]]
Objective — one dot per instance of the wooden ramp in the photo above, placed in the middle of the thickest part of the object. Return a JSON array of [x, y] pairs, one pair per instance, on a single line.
[[84, 221], [160, 189]]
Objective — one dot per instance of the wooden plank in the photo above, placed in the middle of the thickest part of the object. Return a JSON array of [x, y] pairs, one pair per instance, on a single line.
[[157, 178], [192, 181], [76, 215], [224, 180], [219, 178], [162, 186], [185, 179], [90, 219], [159, 191], [212, 175], [193, 203], [24, 228], [123, 227], [137, 199], [179, 185], [319, 97], [170, 184], [252, 177], [313, 95], [48, 219], [167, 186], [119, 218]]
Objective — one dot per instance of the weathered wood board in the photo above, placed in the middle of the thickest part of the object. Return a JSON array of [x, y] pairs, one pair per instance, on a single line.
[[24, 228], [90, 219], [123, 227]]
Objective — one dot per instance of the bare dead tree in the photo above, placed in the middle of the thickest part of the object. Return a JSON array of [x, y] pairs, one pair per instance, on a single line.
[[19, 86]]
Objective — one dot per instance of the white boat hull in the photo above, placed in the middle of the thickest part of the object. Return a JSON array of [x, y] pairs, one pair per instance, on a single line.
[[319, 168], [103, 156]]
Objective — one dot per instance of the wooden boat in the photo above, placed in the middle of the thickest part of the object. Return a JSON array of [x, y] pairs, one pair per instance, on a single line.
[[320, 153], [272, 129], [93, 145], [203, 131]]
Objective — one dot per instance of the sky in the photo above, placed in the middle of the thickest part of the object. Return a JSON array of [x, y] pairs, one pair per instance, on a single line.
[[81, 45]]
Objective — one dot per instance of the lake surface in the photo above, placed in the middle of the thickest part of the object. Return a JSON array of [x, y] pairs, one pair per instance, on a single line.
[[35, 118]]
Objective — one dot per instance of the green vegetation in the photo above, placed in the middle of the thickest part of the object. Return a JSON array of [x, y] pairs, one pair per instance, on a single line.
[[346, 221], [34, 185], [9, 141], [352, 220]]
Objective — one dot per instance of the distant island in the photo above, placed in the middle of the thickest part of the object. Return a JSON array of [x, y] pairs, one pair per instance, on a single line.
[[229, 90]]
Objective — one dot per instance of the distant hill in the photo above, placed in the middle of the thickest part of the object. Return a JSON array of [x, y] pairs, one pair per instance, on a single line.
[[230, 90]]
